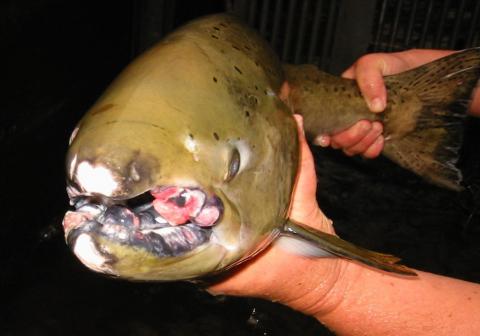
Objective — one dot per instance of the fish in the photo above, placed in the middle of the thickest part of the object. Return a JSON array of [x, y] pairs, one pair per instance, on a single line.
[[184, 168]]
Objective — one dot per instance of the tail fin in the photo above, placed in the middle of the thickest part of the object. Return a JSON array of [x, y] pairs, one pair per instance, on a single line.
[[424, 133], [341, 248]]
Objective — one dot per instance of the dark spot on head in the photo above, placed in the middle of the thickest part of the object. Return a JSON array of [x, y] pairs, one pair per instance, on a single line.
[[256, 87], [257, 64], [223, 24], [247, 48], [247, 114], [238, 70], [214, 36], [215, 135], [265, 92], [215, 79], [102, 109], [190, 135], [235, 47], [216, 28], [335, 89]]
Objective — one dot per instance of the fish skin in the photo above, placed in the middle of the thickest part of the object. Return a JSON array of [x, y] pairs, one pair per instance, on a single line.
[[178, 115]]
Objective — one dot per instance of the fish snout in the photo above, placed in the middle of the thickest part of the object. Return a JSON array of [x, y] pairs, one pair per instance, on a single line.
[[111, 178]]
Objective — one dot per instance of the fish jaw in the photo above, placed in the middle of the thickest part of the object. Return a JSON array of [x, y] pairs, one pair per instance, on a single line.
[[153, 240]]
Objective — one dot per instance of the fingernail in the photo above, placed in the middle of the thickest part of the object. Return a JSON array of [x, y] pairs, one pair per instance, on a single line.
[[322, 140], [376, 105], [299, 120], [213, 292]]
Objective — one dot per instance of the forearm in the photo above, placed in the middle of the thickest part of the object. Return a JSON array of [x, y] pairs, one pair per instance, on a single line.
[[375, 303]]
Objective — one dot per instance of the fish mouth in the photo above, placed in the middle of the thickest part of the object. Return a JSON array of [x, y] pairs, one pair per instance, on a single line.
[[166, 221]]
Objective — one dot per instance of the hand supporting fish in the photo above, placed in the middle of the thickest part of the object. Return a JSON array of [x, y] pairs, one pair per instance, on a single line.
[[185, 167]]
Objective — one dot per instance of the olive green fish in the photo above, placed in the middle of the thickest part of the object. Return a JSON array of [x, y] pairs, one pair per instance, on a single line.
[[185, 166]]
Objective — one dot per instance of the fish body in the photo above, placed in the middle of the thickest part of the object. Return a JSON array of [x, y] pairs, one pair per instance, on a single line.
[[185, 166]]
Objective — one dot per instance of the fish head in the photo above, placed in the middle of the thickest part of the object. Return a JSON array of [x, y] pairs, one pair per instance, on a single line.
[[175, 173]]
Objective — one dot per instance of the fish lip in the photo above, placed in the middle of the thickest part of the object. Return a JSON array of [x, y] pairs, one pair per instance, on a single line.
[[91, 218]]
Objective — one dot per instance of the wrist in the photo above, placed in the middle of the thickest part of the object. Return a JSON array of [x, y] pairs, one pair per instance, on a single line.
[[319, 289], [334, 300], [313, 285]]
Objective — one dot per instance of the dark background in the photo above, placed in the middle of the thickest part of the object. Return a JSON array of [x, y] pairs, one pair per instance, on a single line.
[[59, 56]]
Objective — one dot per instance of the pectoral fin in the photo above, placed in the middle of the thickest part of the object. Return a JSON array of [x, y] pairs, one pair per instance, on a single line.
[[341, 248]]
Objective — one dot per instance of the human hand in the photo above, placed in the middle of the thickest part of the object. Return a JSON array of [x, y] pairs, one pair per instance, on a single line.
[[299, 282], [366, 137]]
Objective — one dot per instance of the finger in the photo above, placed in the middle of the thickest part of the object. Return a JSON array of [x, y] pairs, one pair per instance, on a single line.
[[368, 140], [306, 155], [306, 177], [474, 108], [369, 72], [351, 136], [375, 149], [301, 132]]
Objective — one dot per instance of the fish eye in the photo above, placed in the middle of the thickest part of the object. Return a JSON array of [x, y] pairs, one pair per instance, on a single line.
[[233, 166]]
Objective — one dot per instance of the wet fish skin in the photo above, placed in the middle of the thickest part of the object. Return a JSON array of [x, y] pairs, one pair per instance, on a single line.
[[203, 109]]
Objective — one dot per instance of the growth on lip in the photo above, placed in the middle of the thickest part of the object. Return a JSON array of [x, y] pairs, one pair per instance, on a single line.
[[175, 220]]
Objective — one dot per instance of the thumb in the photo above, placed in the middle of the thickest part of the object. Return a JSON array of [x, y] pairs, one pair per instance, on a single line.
[[369, 71]]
